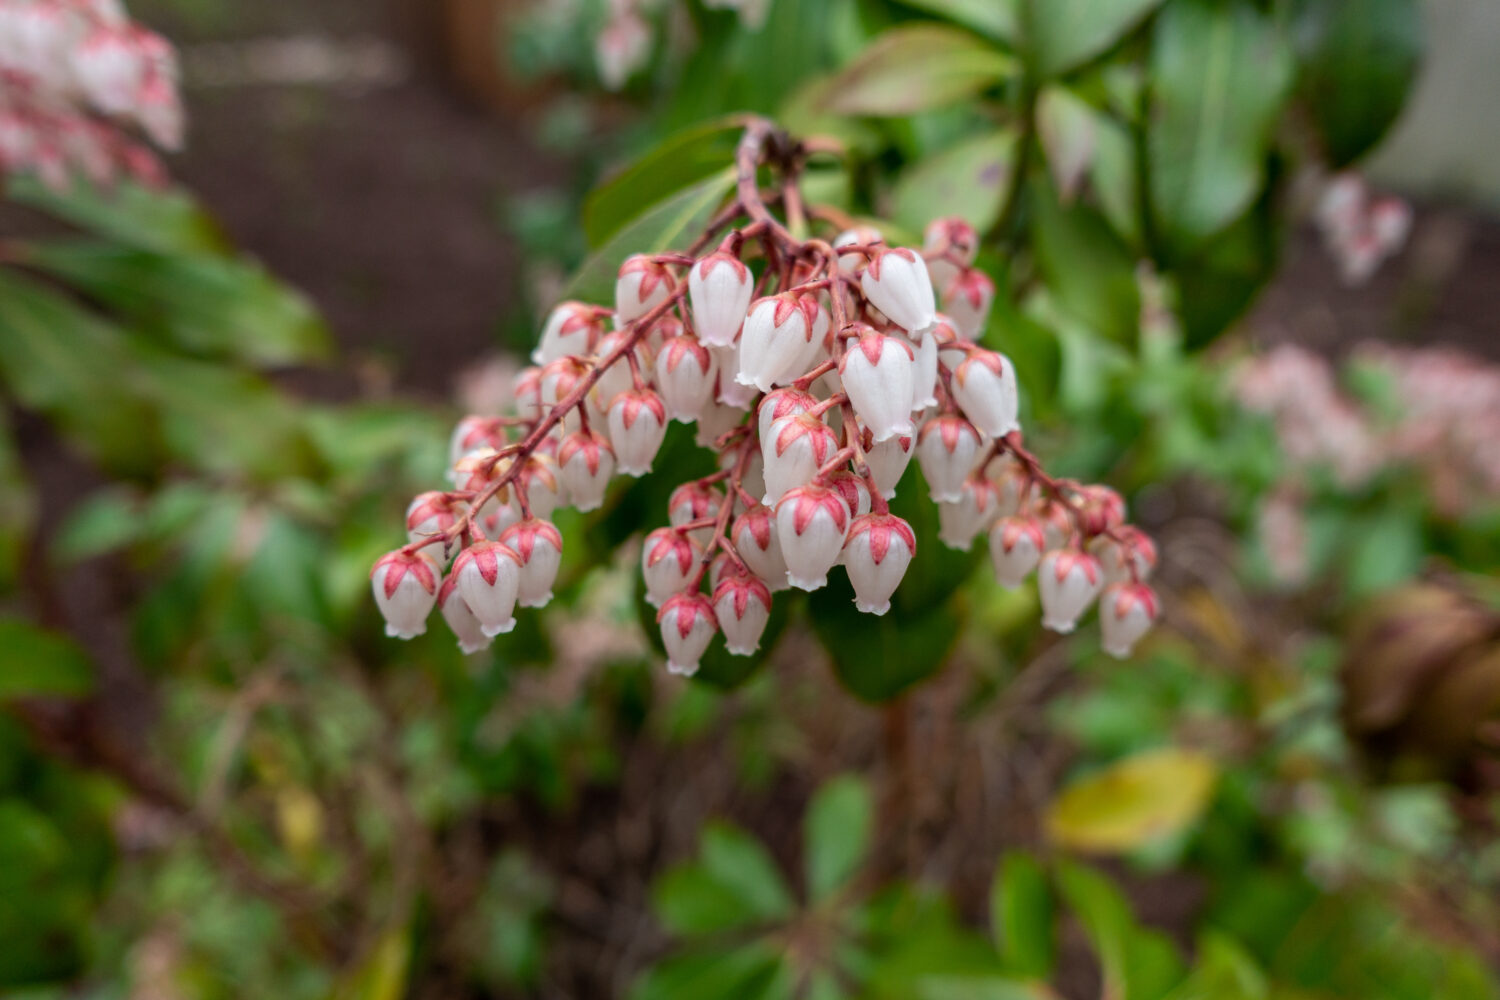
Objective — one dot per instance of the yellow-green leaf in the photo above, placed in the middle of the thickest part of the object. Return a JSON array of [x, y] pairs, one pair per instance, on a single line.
[[1133, 802]]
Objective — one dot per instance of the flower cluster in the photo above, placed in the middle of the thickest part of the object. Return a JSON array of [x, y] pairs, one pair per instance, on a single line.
[[1360, 231], [623, 45], [816, 371], [76, 78]]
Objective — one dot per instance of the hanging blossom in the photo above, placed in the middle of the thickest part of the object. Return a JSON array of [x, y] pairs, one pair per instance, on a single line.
[[815, 370], [80, 83], [1361, 231], [623, 46]]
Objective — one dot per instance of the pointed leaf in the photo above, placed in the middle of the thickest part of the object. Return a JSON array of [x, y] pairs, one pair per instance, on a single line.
[[1133, 802], [1061, 35], [739, 862], [968, 179], [676, 162], [837, 835], [35, 663], [916, 68], [1090, 271], [1022, 914], [169, 221]]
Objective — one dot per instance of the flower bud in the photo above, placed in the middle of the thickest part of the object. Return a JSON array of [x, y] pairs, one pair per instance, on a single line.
[[951, 349], [879, 549], [925, 376], [461, 620], [1129, 547], [571, 330], [888, 461], [778, 340], [879, 374], [1056, 521], [947, 449], [968, 300], [1069, 581], [742, 605], [685, 373], [405, 586], [585, 462], [853, 488], [944, 238], [694, 501], [730, 392], [527, 389], [1126, 613], [778, 403], [558, 379], [642, 285], [811, 522], [1011, 482], [756, 540], [896, 283], [977, 507], [489, 580], [475, 432], [720, 288], [637, 425], [1016, 546], [538, 477], [617, 377], [431, 514], [109, 68], [668, 560], [795, 450], [853, 263], [984, 387], [538, 548], [687, 627]]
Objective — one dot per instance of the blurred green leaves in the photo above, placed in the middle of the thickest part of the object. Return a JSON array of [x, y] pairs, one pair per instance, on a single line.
[[1061, 35], [1133, 802], [35, 663], [917, 68]]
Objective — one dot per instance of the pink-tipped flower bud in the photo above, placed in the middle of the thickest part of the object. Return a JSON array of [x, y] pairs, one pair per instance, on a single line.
[[1016, 547], [489, 580], [561, 377], [925, 376], [1130, 548], [538, 548], [1056, 521], [742, 605], [617, 377], [968, 299], [461, 621], [637, 425], [642, 285], [1126, 613], [756, 540], [795, 450], [897, 283], [405, 586], [786, 402], [720, 287], [1069, 579], [694, 501], [951, 348], [668, 560], [888, 461], [1011, 481], [475, 432], [947, 450], [953, 237], [853, 263], [879, 375], [777, 343], [687, 627], [879, 549], [685, 374], [430, 514], [572, 329], [1099, 510], [853, 488], [538, 477], [984, 387], [585, 463], [977, 507], [811, 522], [109, 68], [527, 390]]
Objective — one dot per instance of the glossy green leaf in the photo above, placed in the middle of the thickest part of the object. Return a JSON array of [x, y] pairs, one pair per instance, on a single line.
[[739, 974], [1022, 914], [1133, 802], [1115, 177], [1221, 73], [969, 179], [917, 68], [689, 902], [1090, 272], [878, 658], [679, 160], [168, 221], [836, 835], [36, 663], [996, 18], [1219, 282], [1357, 66], [1224, 970], [1061, 35], [739, 861]]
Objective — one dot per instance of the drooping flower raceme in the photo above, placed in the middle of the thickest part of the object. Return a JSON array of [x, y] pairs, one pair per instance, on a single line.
[[815, 397]]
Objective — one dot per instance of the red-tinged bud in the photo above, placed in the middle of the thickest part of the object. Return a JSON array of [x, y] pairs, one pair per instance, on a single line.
[[778, 341], [668, 560], [571, 330], [742, 605], [617, 377], [778, 403], [947, 450], [538, 548], [489, 580], [967, 300], [951, 236], [984, 387], [811, 523], [897, 283], [853, 488], [1126, 613], [977, 507], [853, 263], [1016, 547], [687, 627], [661, 333], [585, 462], [538, 477], [720, 287], [888, 461], [794, 451], [561, 377], [951, 351], [1069, 579], [475, 432], [879, 374], [460, 619], [1099, 509], [879, 549], [1012, 484], [642, 285], [405, 586], [1129, 546], [694, 501], [637, 425], [430, 514], [756, 540], [685, 374], [527, 389]]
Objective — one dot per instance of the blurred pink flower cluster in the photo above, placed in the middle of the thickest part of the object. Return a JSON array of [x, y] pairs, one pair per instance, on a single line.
[[1360, 230], [624, 45], [78, 82]]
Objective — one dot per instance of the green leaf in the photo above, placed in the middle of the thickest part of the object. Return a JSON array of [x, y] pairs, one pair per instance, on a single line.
[[1221, 280], [381, 975], [739, 861], [168, 221], [878, 658], [1090, 272], [968, 179], [1061, 35], [679, 160], [688, 902], [1136, 964], [668, 225], [1115, 176], [996, 18], [837, 835], [1133, 802], [35, 663], [105, 521], [1358, 62], [17, 507], [917, 68], [1067, 126], [738, 974], [980, 988], [1221, 73], [1022, 915], [1224, 971]]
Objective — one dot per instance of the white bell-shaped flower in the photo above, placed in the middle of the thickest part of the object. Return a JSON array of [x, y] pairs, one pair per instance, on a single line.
[[947, 449], [897, 283], [668, 560], [1130, 549], [977, 507], [694, 501], [585, 464], [730, 392], [429, 514], [742, 605], [572, 329], [984, 387], [538, 477], [687, 627], [967, 300], [637, 426], [1016, 546], [1069, 579], [617, 377], [538, 548], [788, 401], [405, 586], [474, 432], [461, 621], [925, 377], [853, 488], [685, 373], [527, 391], [888, 461], [756, 540], [794, 451], [853, 263], [109, 67], [1126, 613], [879, 549], [777, 342], [642, 285], [489, 579], [1056, 521], [720, 287], [879, 374], [949, 244], [811, 522]]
